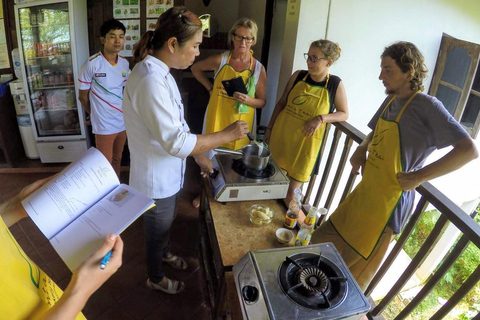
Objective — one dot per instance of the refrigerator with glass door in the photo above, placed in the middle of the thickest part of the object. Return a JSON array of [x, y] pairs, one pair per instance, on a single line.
[[53, 42]]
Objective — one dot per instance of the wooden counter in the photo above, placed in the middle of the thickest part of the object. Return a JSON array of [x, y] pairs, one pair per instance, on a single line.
[[236, 235], [227, 235]]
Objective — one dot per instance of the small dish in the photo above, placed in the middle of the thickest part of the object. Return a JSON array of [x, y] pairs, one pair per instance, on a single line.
[[261, 215], [284, 235]]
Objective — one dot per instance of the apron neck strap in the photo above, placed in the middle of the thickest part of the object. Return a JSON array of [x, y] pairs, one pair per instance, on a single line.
[[326, 81], [404, 106], [251, 59]]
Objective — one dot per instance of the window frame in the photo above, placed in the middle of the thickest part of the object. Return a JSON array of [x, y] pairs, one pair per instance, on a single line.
[[447, 44]]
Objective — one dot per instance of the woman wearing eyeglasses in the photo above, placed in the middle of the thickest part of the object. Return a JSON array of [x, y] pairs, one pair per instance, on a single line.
[[238, 62], [311, 98]]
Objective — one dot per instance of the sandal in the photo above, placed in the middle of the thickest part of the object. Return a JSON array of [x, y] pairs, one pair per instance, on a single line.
[[176, 262], [174, 286]]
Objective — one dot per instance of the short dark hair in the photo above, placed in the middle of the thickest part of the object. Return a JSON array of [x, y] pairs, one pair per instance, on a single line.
[[409, 59], [112, 24]]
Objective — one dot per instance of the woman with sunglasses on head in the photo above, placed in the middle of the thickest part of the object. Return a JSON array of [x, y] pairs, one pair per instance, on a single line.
[[238, 62], [159, 139], [311, 98]]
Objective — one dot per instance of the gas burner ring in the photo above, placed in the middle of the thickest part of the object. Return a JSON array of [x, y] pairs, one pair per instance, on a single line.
[[314, 280], [240, 168]]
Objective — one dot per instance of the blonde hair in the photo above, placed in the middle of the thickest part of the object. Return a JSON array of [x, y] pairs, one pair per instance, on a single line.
[[245, 23], [330, 49]]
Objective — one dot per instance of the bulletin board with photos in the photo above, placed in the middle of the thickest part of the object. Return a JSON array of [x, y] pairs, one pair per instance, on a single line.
[[132, 35], [126, 9], [156, 7], [129, 13]]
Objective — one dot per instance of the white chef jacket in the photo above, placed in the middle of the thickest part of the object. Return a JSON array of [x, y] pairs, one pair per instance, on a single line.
[[157, 133]]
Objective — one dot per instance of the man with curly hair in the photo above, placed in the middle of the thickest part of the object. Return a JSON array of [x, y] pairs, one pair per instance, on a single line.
[[407, 128]]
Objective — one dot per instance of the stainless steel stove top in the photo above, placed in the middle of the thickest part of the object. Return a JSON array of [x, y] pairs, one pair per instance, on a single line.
[[262, 296], [229, 185]]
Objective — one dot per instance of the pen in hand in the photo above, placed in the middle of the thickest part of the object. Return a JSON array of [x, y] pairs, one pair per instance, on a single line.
[[105, 259]]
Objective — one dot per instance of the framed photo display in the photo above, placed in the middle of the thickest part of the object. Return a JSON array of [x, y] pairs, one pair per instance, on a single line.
[[156, 7], [132, 35], [151, 23], [126, 9]]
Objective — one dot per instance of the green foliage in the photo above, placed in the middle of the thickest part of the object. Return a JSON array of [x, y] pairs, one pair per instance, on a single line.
[[421, 232], [468, 261]]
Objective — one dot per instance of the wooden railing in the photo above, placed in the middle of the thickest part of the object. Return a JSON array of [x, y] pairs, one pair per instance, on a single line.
[[449, 212]]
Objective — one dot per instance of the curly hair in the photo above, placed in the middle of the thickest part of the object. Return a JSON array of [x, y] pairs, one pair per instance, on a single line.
[[330, 50], [410, 60]]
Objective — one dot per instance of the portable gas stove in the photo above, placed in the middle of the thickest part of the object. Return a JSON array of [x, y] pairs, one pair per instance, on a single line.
[[310, 282], [232, 181]]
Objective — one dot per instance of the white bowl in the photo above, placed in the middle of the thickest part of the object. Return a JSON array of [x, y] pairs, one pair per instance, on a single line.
[[284, 235]]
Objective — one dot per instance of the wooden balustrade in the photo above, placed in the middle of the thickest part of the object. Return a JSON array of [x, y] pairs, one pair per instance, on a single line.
[[450, 213]]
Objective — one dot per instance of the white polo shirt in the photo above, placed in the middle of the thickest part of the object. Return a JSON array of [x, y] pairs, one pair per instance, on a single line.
[[106, 83], [157, 133]]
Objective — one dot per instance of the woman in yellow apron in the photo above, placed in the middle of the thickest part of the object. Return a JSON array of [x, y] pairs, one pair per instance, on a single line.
[[26, 292], [296, 129], [222, 109]]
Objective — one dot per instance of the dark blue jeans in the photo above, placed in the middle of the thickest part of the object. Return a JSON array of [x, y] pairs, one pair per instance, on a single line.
[[156, 226]]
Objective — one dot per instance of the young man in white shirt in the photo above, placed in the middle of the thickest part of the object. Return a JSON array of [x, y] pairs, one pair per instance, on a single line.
[[102, 79]]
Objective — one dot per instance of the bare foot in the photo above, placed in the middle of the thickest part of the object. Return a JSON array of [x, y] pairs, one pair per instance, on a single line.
[[196, 202]]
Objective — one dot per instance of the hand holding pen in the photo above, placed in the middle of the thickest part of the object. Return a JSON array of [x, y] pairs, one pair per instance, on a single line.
[[105, 260], [89, 276]]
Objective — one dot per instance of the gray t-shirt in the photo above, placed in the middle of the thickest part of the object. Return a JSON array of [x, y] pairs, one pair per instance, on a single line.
[[424, 126]]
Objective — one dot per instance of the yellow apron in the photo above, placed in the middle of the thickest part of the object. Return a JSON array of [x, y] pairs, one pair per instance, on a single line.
[[26, 292], [290, 149], [221, 111], [361, 218]]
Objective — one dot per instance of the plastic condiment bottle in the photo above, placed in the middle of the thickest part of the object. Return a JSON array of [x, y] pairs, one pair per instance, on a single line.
[[294, 207], [306, 230]]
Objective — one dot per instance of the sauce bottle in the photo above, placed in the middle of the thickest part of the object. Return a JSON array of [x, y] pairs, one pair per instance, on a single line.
[[294, 207], [306, 230]]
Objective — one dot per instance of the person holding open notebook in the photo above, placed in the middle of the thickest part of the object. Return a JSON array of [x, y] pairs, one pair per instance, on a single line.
[[29, 293], [238, 62]]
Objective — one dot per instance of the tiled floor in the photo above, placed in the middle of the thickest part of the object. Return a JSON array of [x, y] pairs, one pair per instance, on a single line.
[[125, 295]]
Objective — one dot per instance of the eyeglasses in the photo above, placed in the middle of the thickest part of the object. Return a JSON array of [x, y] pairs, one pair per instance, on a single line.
[[313, 58], [238, 38]]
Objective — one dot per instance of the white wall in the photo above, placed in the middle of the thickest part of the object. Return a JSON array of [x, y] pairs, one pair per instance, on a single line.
[[364, 28]]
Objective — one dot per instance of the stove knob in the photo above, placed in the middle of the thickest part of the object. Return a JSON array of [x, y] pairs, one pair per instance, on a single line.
[[214, 174], [250, 294]]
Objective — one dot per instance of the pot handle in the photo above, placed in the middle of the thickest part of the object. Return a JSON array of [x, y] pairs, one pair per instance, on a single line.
[[228, 151]]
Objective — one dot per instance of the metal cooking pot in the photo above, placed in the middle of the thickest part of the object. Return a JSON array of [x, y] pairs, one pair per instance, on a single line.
[[250, 157]]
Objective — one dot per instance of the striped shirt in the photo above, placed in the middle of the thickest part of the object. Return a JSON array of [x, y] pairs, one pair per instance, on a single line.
[[105, 82]]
